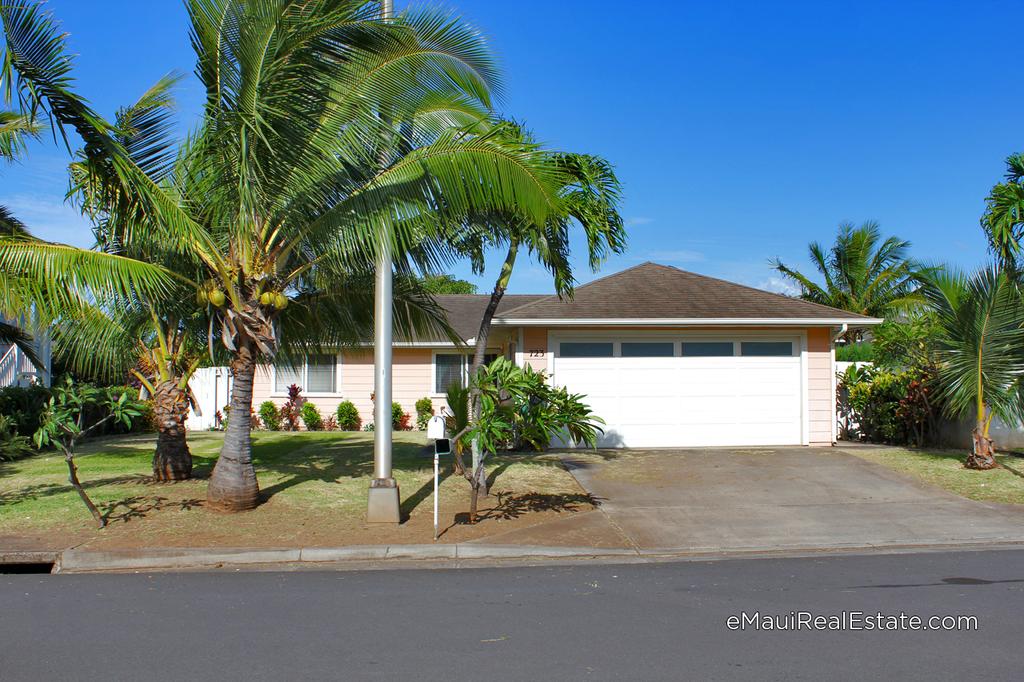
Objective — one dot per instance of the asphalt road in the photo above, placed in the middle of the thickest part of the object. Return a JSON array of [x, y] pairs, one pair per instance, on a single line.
[[586, 621]]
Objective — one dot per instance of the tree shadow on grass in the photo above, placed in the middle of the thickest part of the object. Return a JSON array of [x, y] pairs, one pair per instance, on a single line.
[[33, 492], [512, 506], [139, 506]]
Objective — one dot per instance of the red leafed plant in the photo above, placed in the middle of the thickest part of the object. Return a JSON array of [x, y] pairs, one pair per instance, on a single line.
[[291, 411]]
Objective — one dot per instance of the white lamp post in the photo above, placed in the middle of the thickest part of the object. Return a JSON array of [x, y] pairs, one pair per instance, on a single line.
[[383, 505]]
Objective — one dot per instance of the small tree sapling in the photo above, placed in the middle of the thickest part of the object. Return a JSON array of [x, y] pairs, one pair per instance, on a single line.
[[63, 424]]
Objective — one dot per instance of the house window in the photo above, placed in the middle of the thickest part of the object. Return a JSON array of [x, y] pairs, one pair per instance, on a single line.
[[314, 374], [452, 368], [321, 373], [449, 368], [707, 349], [285, 376], [631, 349], [585, 349], [767, 348]]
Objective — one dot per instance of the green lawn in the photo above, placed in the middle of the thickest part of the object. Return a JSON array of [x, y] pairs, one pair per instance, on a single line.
[[314, 488], [945, 469]]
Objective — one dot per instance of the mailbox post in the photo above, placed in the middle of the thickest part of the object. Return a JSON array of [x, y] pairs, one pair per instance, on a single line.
[[442, 446]]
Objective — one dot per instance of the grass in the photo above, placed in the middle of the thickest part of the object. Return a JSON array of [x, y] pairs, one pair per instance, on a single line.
[[313, 486], [945, 469]]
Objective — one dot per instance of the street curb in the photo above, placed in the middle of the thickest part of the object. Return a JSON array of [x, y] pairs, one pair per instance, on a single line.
[[84, 560], [95, 561]]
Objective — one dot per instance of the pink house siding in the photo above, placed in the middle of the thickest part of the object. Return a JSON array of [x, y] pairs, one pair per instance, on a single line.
[[821, 401], [535, 340], [412, 379]]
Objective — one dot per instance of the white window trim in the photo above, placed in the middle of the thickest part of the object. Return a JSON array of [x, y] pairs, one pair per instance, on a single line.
[[338, 387]]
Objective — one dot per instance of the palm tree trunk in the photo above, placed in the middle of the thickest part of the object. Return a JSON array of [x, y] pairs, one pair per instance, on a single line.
[[478, 357], [172, 460], [233, 486], [983, 453]]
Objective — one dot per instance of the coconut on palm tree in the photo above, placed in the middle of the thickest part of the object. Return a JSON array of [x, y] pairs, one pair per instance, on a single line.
[[326, 134], [980, 351], [861, 272]]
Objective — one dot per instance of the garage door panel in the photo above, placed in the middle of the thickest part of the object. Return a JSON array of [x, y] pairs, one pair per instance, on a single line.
[[690, 401]]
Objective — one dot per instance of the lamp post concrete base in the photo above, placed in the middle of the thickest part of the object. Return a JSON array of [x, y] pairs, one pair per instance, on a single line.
[[384, 505]]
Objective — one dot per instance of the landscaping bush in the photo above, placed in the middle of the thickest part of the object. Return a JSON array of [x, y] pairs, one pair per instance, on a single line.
[[270, 416], [891, 407], [291, 411], [24, 406], [12, 445], [311, 417], [348, 416], [399, 418], [368, 426], [862, 351], [424, 411], [331, 423]]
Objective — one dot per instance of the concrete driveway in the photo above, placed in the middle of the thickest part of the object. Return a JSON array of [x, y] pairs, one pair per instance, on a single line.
[[774, 498]]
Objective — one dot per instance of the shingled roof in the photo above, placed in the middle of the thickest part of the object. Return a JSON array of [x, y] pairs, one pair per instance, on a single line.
[[466, 310], [659, 292]]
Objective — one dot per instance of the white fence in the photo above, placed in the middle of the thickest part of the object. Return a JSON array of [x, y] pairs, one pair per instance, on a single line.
[[211, 387]]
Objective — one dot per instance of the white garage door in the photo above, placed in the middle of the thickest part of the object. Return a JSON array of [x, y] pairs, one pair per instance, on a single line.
[[679, 392]]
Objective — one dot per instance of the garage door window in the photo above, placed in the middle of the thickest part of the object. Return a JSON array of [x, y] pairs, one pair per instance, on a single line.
[[707, 349], [767, 348], [585, 349], [631, 349]]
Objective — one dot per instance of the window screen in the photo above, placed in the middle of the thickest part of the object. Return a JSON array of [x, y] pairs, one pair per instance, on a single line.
[[767, 348], [447, 371], [707, 349], [285, 376], [321, 374], [585, 349], [635, 349]]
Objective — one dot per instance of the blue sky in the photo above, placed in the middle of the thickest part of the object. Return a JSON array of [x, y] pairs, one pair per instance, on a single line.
[[740, 130]]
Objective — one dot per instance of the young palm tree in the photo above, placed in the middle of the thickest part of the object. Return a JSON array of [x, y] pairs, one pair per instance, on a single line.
[[590, 197], [1003, 220], [980, 348], [326, 133], [862, 273]]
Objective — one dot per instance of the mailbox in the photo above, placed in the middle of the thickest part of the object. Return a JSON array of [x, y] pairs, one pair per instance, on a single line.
[[435, 428]]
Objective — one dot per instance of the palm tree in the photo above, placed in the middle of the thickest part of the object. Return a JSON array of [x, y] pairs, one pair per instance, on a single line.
[[980, 349], [862, 273], [590, 195], [325, 133], [1003, 220]]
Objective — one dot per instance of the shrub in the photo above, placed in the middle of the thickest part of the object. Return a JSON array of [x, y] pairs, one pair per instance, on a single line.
[[12, 445], [399, 418], [270, 416], [892, 407], [24, 407], [424, 411], [368, 426], [331, 423], [292, 409], [348, 416], [311, 417], [862, 351]]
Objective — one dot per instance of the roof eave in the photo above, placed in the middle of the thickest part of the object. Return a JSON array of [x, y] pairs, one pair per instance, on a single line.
[[691, 321]]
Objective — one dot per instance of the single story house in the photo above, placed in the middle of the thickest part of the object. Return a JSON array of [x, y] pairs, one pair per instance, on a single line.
[[667, 358]]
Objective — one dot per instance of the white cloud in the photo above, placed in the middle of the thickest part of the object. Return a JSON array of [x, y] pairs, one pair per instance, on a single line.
[[636, 221], [779, 285]]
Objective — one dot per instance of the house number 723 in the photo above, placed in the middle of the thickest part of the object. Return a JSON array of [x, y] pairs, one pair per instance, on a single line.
[[536, 353]]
